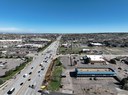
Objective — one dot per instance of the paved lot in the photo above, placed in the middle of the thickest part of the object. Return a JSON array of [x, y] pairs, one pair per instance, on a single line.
[[101, 86], [9, 64], [89, 86], [122, 73], [67, 83]]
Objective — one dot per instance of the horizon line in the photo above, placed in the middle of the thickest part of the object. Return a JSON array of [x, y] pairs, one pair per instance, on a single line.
[[60, 33]]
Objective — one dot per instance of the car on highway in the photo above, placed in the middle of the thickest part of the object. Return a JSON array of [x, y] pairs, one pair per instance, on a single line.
[[31, 67], [45, 61], [25, 75], [29, 79], [30, 73], [38, 71], [42, 68], [33, 85], [21, 83], [41, 64], [11, 91]]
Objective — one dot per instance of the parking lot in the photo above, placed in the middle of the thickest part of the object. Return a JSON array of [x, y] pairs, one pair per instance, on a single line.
[[121, 69], [91, 85], [8, 64]]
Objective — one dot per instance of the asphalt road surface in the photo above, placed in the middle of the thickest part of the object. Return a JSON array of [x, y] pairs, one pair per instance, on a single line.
[[37, 75]]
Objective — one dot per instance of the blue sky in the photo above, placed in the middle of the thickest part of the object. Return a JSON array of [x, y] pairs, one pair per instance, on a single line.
[[63, 16]]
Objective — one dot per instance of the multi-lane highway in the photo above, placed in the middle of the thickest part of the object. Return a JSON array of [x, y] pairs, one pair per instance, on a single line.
[[34, 73]]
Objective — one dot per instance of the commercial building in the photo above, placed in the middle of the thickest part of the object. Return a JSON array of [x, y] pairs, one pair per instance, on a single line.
[[93, 59], [96, 44], [93, 71], [10, 42], [96, 58], [30, 45], [39, 40]]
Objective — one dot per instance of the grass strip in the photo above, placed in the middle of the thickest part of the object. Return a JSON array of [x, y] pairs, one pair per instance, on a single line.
[[55, 82]]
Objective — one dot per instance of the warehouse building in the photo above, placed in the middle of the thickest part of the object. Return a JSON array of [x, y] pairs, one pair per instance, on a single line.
[[9, 42], [39, 41]]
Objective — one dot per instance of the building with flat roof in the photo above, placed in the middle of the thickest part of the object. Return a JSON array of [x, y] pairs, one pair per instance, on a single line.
[[10, 42], [30, 45], [93, 71], [94, 59], [96, 44]]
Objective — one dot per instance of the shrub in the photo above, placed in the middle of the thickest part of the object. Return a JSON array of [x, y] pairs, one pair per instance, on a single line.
[[1, 81], [112, 61]]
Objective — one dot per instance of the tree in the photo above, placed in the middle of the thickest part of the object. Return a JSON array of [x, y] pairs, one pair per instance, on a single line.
[[86, 60], [7, 73], [75, 62], [58, 63], [106, 43], [124, 81], [125, 86], [1, 81], [16, 68], [80, 51], [112, 61], [90, 45]]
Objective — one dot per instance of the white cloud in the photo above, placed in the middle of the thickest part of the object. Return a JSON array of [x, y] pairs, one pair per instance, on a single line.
[[15, 30], [9, 29]]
